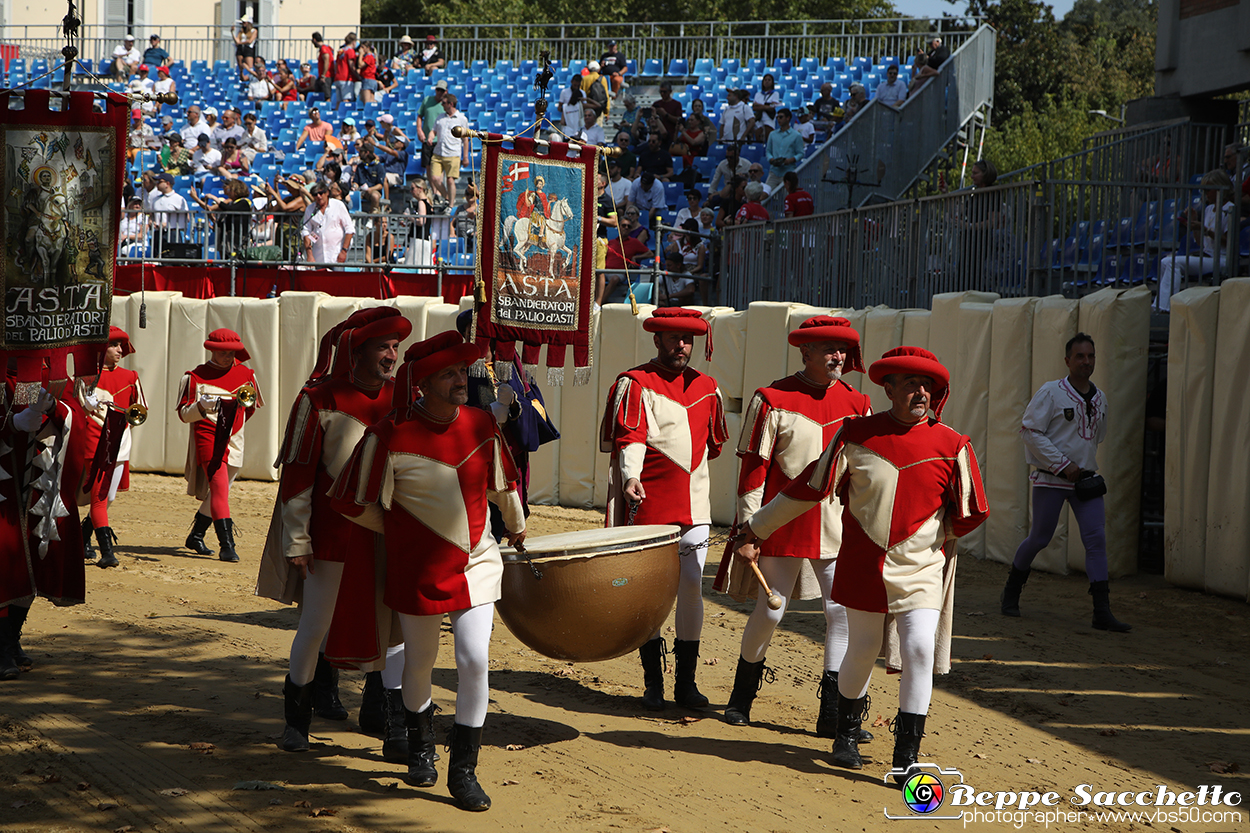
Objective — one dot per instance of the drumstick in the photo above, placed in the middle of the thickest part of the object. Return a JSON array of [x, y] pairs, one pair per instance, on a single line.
[[774, 601]]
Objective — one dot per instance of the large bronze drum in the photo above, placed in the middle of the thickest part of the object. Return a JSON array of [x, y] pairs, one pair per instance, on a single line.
[[603, 593]]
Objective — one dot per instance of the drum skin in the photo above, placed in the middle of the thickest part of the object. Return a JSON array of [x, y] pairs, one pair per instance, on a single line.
[[598, 598]]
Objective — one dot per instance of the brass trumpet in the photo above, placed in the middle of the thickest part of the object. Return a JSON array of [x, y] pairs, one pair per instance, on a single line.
[[245, 395], [136, 414]]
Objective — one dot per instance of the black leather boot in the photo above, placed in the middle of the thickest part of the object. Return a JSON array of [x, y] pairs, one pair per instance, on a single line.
[[106, 538], [851, 714], [298, 710], [827, 719], [748, 679], [652, 653], [225, 537], [908, 729], [17, 620], [326, 703], [420, 737], [373, 705], [195, 541], [1010, 599], [395, 743], [465, 743], [88, 551], [8, 665], [1104, 619], [685, 692]]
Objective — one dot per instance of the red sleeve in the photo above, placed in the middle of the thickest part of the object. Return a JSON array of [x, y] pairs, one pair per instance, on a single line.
[[624, 421]]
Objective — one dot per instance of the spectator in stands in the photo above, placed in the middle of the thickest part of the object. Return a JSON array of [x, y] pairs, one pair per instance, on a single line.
[[228, 129], [697, 130], [674, 288], [404, 58], [368, 62], [126, 59], [306, 82], [892, 92], [648, 122], [618, 186], [647, 194], [803, 124], [694, 204], [1211, 229], [751, 210], [371, 180], [175, 157], [206, 158], [394, 156], [449, 150], [143, 85], [328, 228], [164, 85], [431, 57], [669, 112], [655, 160], [253, 140], [918, 77], [707, 220], [388, 129], [856, 101], [798, 201], [234, 163], [169, 211], [827, 110], [147, 188], [261, 88], [626, 251], [316, 130], [691, 246], [591, 133], [347, 131], [232, 216], [572, 107], [464, 218], [210, 121], [427, 116], [244, 33], [627, 160], [154, 55], [767, 100], [345, 72], [325, 67], [784, 150], [728, 200], [330, 167], [379, 242], [386, 79], [132, 231], [755, 173], [140, 137], [733, 164], [614, 66], [737, 122], [629, 116], [938, 55], [194, 127], [285, 88], [595, 86]]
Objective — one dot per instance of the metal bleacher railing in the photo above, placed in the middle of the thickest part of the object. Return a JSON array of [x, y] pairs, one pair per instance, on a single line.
[[664, 43], [885, 149]]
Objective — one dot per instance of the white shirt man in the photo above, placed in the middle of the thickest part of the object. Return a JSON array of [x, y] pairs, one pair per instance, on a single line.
[[892, 91], [328, 228], [205, 158], [227, 129], [194, 127], [727, 170], [592, 133], [648, 194], [169, 207], [254, 140], [445, 144], [734, 119], [619, 187]]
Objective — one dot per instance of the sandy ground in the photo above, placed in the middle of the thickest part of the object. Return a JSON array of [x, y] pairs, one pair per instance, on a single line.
[[172, 651]]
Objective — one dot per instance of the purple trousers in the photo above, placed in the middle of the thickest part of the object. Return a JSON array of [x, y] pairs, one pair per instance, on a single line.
[[1090, 517]]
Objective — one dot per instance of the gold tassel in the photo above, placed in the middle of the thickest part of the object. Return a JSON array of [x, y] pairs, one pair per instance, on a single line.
[[479, 291]]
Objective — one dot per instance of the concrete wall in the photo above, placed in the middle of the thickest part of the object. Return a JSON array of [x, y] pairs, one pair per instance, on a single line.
[[999, 352], [1202, 48]]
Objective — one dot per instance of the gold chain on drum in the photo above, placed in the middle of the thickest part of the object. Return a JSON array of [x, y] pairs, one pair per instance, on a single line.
[[711, 540]]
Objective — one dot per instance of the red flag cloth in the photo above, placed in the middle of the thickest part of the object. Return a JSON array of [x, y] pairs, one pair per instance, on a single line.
[[56, 273], [536, 258]]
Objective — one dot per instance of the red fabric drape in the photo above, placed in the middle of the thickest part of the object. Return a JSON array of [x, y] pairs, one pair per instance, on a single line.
[[259, 281]]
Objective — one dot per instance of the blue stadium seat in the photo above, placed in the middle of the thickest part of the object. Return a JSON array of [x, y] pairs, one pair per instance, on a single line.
[[704, 66], [731, 65], [836, 64], [785, 65], [631, 67], [653, 67], [810, 64], [678, 67]]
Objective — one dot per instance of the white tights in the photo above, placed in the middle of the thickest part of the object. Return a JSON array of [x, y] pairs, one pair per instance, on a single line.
[[781, 574], [690, 584], [917, 630], [471, 629], [321, 591]]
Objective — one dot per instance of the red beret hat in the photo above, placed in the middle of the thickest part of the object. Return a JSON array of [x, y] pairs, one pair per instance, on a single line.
[[679, 320], [118, 334], [914, 361], [829, 328], [224, 339]]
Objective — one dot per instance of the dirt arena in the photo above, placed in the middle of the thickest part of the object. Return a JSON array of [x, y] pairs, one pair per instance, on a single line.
[[150, 703]]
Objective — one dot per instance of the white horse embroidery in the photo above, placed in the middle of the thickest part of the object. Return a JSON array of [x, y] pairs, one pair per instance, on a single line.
[[553, 236]]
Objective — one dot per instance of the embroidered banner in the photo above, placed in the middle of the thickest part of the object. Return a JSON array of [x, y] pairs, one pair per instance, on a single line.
[[537, 224], [61, 171]]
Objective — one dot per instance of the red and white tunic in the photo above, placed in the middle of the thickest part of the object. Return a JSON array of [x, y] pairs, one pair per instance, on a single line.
[[425, 484], [1060, 427], [212, 380], [906, 491], [662, 428], [787, 425], [119, 387]]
